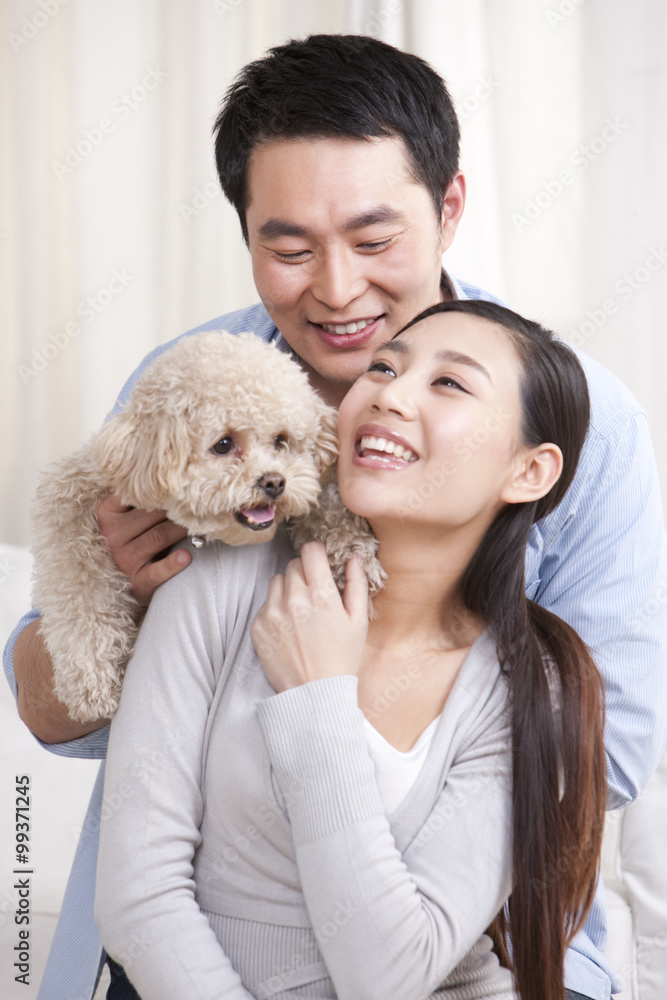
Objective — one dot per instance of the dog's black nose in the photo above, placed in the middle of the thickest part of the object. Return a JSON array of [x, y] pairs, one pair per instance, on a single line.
[[273, 484]]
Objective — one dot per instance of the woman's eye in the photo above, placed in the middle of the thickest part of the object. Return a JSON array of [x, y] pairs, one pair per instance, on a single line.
[[380, 366], [280, 442], [223, 446], [450, 382]]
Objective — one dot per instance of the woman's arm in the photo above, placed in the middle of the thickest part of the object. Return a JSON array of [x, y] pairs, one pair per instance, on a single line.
[[427, 906], [391, 925], [145, 905]]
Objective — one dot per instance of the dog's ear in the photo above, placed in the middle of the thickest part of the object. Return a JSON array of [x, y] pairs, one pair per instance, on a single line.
[[141, 456], [326, 442]]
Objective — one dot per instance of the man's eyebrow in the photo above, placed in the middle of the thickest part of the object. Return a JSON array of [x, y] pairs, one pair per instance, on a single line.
[[455, 357], [374, 217], [273, 228]]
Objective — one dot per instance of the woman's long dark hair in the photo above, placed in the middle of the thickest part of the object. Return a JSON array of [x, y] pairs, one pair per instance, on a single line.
[[559, 781]]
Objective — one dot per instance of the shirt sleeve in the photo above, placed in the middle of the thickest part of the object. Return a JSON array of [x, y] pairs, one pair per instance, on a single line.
[[145, 903], [427, 906], [602, 568]]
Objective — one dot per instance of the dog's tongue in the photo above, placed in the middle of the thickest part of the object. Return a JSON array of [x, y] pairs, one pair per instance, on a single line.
[[259, 514]]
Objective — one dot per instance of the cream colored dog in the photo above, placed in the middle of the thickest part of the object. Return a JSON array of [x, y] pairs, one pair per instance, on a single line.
[[225, 434]]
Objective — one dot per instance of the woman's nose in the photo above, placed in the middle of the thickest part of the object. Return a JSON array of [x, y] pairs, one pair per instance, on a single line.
[[396, 396]]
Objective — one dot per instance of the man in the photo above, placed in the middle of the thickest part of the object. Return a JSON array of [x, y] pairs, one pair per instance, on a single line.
[[340, 155]]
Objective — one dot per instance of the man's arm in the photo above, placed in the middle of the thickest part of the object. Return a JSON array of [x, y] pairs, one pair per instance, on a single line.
[[38, 707], [135, 538]]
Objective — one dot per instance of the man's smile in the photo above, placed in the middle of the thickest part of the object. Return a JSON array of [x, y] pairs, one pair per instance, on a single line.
[[343, 327], [354, 333]]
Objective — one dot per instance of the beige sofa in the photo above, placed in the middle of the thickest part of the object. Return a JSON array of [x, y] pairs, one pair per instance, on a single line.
[[634, 860]]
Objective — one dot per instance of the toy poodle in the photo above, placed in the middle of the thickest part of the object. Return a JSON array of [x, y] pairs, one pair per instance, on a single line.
[[225, 434]]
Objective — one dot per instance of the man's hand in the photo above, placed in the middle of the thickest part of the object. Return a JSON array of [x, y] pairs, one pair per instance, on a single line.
[[305, 631], [135, 538]]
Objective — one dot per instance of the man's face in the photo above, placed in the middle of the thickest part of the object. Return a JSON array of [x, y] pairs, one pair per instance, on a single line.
[[346, 248]]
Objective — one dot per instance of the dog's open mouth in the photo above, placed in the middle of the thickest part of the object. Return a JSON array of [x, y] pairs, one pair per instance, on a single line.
[[256, 518]]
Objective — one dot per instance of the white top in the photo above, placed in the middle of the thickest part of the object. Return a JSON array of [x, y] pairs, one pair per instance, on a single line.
[[397, 770]]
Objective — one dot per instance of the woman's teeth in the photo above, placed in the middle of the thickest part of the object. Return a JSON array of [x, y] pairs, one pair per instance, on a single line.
[[390, 447], [342, 328]]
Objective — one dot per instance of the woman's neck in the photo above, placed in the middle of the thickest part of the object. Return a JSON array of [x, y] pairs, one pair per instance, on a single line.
[[420, 605]]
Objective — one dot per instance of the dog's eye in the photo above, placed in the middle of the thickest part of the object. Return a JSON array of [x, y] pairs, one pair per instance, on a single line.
[[224, 446], [280, 442]]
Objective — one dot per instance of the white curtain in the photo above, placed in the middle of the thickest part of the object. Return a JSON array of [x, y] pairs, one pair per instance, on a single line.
[[114, 236]]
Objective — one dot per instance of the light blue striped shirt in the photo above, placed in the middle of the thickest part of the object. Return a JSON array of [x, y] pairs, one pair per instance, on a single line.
[[598, 561]]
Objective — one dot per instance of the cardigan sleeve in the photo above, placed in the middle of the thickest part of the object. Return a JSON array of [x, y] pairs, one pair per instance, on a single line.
[[145, 904], [426, 907]]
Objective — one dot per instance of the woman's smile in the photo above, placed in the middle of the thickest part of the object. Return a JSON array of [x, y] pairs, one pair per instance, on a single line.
[[425, 396], [381, 447]]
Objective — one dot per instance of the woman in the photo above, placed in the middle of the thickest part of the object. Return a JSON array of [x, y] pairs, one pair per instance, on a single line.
[[345, 811]]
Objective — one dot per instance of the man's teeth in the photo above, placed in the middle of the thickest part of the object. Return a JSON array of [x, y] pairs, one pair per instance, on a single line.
[[390, 447], [341, 328]]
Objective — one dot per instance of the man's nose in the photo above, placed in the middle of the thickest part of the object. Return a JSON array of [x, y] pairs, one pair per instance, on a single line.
[[339, 280]]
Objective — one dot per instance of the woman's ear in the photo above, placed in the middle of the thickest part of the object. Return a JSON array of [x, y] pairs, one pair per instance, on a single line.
[[535, 472]]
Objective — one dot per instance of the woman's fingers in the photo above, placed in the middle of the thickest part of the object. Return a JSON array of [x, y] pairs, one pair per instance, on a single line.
[[295, 577], [276, 588], [355, 595], [316, 569], [305, 631]]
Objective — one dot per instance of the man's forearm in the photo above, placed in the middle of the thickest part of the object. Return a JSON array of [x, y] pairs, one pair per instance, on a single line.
[[38, 706]]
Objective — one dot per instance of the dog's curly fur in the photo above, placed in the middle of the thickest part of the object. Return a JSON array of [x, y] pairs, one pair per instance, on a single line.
[[276, 448]]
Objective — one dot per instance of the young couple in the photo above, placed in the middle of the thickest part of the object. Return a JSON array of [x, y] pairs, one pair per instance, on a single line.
[[295, 840]]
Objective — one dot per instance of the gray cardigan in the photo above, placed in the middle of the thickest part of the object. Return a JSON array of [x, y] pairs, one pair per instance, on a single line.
[[245, 851]]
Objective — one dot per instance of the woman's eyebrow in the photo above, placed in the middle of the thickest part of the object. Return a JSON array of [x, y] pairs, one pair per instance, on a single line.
[[454, 357]]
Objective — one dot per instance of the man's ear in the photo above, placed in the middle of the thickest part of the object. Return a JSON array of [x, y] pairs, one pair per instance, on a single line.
[[452, 210], [535, 472]]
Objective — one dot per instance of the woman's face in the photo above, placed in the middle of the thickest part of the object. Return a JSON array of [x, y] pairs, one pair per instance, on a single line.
[[431, 433]]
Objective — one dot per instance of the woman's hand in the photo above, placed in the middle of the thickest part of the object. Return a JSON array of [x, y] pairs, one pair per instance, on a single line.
[[305, 631]]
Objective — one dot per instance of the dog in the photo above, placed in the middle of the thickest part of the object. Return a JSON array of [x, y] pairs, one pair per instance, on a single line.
[[225, 434]]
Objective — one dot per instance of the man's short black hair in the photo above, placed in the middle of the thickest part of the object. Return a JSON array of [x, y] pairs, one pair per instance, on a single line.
[[346, 86]]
